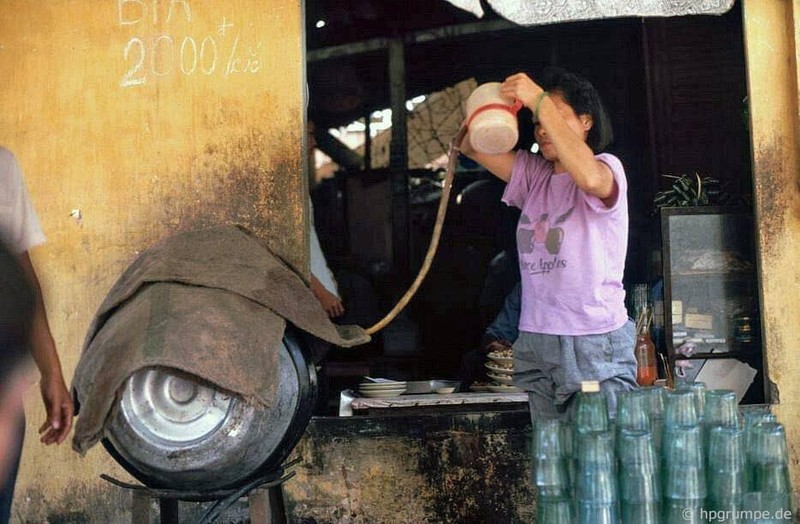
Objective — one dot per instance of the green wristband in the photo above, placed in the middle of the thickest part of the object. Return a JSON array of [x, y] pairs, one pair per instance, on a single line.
[[538, 103]]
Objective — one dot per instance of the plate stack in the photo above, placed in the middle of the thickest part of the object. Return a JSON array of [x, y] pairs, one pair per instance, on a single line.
[[382, 389], [501, 370]]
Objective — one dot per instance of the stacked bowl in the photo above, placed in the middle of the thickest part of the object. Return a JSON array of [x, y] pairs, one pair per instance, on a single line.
[[500, 371]]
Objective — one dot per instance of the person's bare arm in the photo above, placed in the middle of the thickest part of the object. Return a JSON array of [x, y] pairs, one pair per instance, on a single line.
[[590, 175], [498, 165], [56, 397], [330, 303]]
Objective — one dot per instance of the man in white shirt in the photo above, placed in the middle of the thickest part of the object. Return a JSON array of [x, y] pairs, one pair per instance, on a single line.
[[322, 283], [20, 230]]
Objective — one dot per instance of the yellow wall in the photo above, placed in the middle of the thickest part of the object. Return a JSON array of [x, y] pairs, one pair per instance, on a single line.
[[148, 116], [771, 39]]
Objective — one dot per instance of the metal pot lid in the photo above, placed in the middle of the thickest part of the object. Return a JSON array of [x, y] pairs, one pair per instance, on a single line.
[[166, 407]]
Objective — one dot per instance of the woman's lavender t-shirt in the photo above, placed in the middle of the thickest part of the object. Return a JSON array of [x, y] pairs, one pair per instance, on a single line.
[[571, 249]]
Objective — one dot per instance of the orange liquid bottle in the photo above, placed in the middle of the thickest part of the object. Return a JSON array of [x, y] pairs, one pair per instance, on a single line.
[[646, 367]]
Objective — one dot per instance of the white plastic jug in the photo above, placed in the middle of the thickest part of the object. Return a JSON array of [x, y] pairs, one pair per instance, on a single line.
[[492, 119]]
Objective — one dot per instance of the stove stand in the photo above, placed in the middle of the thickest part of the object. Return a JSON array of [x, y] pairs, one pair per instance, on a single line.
[[264, 494]]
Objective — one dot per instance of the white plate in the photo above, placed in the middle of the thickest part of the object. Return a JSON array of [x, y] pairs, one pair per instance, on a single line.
[[381, 394], [383, 390], [479, 389], [502, 379], [499, 388], [378, 387], [497, 370]]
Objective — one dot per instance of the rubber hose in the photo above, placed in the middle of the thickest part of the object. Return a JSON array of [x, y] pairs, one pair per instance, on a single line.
[[452, 159]]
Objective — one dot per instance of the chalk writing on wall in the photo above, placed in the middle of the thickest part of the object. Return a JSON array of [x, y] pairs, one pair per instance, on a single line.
[[148, 58]]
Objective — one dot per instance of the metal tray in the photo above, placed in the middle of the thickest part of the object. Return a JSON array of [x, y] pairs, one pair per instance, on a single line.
[[420, 387]]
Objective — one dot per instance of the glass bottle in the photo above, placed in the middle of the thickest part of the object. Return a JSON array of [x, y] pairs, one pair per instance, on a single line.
[[646, 367]]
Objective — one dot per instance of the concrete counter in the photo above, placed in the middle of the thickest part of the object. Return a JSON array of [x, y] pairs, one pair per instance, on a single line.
[[442, 467]]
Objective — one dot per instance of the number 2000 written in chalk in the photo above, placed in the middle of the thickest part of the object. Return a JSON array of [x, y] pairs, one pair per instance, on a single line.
[[163, 57]]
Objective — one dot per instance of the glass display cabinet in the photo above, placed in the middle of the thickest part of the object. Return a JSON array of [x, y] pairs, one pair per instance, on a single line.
[[711, 299]]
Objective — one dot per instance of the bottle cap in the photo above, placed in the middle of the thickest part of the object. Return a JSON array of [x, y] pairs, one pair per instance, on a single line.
[[590, 386]]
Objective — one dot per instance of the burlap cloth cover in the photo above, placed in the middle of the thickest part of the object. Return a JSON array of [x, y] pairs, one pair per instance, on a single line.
[[212, 303]]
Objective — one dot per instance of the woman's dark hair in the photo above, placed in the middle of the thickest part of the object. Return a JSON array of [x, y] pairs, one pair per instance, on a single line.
[[582, 96]]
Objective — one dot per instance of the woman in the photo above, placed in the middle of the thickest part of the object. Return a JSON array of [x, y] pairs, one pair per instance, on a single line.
[[572, 239]]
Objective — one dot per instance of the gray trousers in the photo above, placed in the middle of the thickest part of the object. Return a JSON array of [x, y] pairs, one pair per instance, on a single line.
[[551, 368]]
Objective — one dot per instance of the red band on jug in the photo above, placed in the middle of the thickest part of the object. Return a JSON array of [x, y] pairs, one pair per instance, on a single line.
[[513, 109]]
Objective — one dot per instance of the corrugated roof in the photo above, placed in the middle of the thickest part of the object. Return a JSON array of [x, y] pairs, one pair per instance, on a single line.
[[538, 12]]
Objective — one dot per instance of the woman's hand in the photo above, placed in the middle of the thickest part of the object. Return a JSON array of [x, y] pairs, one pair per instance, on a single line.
[[521, 87]]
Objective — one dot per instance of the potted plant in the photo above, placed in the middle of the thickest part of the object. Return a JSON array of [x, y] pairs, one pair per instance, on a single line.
[[695, 190], [689, 190]]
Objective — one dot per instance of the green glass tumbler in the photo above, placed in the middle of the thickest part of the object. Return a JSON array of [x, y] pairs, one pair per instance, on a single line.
[[596, 472], [766, 508], [772, 478], [595, 449], [683, 446], [680, 409], [698, 389], [598, 513], [721, 408], [726, 448], [752, 418], [591, 412], [551, 477], [680, 511], [767, 458], [632, 411], [647, 513], [548, 439], [554, 511], [655, 400], [635, 448]]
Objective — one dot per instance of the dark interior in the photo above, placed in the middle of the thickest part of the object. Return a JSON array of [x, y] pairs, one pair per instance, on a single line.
[[675, 89]]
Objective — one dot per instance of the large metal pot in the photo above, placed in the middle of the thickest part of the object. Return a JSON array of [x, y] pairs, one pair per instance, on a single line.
[[173, 430]]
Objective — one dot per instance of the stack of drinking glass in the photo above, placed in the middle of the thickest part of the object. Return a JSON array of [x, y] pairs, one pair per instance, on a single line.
[[553, 470], [670, 456]]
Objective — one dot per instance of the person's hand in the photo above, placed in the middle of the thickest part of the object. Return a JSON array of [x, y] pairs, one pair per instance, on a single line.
[[521, 87], [496, 346], [330, 303], [58, 403]]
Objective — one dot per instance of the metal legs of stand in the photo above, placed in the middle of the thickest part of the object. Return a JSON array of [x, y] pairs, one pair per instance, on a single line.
[[140, 509], [265, 507]]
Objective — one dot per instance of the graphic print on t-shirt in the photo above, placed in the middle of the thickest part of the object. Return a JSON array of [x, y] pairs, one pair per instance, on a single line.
[[543, 236]]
